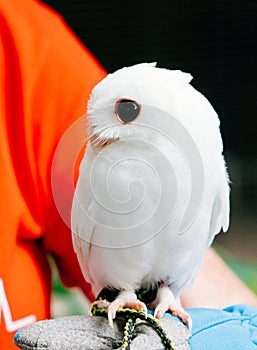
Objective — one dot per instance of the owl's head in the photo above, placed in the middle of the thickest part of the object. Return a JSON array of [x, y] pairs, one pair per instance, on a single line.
[[116, 107]]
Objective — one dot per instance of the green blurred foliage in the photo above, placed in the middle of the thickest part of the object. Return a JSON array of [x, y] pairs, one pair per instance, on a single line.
[[246, 271]]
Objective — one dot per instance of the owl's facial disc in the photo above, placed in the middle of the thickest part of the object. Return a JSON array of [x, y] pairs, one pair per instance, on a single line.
[[126, 111]]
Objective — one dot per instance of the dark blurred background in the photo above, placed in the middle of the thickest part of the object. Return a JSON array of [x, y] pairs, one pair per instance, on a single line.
[[216, 42]]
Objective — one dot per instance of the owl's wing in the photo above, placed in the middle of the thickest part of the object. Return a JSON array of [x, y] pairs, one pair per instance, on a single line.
[[82, 227], [220, 209]]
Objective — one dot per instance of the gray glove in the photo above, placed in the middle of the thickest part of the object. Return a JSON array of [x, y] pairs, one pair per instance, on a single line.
[[95, 333]]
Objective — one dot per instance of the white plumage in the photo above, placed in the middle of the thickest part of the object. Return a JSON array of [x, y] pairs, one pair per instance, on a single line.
[[152, 191]]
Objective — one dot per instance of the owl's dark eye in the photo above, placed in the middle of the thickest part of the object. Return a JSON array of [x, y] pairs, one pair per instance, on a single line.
[[127, 110]]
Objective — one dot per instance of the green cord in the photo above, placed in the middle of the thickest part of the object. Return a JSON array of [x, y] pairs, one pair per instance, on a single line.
[[164, 335], [128, 332], [132, 317]]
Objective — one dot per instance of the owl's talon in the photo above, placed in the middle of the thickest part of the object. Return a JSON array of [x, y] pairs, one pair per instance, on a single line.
[[165, 301], [125, 300], [100, 304], [110, 318], [176, 311], [144, 309]]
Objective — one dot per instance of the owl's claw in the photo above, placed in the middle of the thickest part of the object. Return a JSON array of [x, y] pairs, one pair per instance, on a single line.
[[176, 310], [165, 301], [125, 299], [121, 304], [100, 304]]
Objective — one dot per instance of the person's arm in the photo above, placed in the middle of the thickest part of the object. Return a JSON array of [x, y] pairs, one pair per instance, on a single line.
[[216, 286]]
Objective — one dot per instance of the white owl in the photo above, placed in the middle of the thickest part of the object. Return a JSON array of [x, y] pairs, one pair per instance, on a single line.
[[153, 188]]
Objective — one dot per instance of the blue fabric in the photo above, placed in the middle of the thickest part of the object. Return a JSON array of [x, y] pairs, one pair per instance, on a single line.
[[234, 328]]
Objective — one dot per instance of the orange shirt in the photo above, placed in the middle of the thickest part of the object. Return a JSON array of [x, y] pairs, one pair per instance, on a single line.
[[45, 80]]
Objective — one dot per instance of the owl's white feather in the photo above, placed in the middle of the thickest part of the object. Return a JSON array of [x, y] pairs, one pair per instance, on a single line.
[[118, 233]]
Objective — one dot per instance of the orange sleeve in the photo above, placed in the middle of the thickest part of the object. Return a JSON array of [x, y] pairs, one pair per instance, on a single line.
[[46, 76]]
